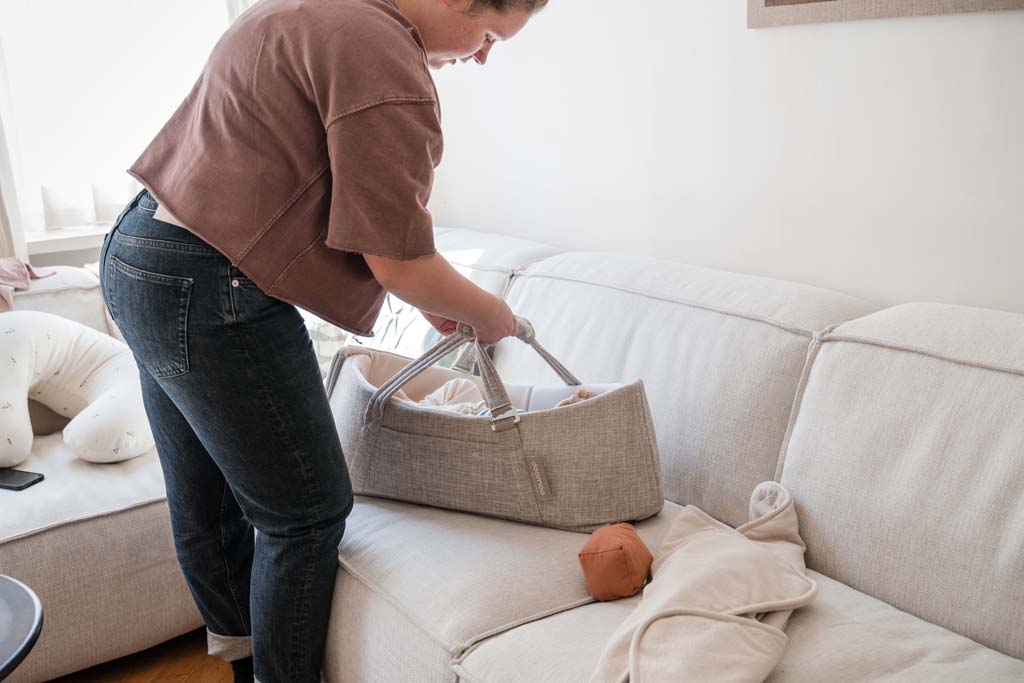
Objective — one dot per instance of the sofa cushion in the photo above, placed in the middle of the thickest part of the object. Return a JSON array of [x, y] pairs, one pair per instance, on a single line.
[[72, 293], [462, 577], [75, 489], [906, 458], [720, 355], [94, 542], [843, 636]]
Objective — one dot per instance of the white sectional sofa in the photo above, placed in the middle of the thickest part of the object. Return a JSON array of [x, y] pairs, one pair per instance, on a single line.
[[899, 432]]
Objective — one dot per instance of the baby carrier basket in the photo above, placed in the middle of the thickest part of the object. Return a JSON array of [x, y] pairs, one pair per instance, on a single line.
[[575, 468]]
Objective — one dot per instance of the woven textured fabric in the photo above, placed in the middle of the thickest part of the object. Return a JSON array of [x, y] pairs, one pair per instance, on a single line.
[[905, 455], [843, 636], [720, 354], [575, 468]]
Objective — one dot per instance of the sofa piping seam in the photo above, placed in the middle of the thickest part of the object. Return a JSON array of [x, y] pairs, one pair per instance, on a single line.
[[68, 522], [924, 352], [691, 304], [794, 409]]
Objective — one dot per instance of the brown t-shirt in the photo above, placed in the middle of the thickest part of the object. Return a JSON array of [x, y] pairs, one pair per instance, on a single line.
[[310, 138]]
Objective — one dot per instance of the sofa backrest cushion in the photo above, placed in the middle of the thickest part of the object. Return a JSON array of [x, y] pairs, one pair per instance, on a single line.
[[71, 292], [906, 459], [720, 355]]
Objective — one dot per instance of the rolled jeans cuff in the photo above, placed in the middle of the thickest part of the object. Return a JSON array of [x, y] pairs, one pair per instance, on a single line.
[[228, 648]]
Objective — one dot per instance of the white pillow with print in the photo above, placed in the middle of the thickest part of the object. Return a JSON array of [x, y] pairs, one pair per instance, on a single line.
[[77, 372]]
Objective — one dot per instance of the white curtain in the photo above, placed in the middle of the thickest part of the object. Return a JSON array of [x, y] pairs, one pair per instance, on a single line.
[[81, 97], [7, 244], [11, 242]]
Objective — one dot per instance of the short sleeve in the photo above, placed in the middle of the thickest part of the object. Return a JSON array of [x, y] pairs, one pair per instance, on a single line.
[[382, 162]]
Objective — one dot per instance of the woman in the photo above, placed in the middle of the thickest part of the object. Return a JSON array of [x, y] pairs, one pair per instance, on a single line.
[[296, 171]]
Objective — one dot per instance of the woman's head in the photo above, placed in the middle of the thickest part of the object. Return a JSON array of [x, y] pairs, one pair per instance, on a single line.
[[460, 30], [530, 6]]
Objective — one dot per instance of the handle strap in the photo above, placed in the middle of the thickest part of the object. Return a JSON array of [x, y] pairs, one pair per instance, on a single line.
[[525, 333], [503, 413]]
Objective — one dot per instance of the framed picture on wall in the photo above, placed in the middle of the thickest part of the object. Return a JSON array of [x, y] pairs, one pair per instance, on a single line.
[[765, 13]]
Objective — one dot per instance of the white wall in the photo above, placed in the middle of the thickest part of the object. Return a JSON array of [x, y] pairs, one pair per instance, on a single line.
[[880, 158]]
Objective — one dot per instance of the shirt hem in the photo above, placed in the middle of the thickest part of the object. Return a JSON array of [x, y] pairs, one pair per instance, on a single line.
[[170, 209]]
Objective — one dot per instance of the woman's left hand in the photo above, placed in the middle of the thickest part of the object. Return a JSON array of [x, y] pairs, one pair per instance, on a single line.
[[443, 325]]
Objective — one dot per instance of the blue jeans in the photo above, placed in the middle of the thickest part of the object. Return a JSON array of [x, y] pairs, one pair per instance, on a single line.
[[245, 438]]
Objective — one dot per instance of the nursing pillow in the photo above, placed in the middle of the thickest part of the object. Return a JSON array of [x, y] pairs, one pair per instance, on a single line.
[[77, 372]]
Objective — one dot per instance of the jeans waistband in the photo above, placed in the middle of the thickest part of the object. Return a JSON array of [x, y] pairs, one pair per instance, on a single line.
[[142, 228]]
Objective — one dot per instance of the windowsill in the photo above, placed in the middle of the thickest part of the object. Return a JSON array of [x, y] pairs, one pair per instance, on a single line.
[[66, 239]]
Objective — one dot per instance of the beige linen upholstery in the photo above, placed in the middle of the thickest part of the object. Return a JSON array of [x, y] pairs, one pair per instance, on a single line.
[[843, 636], [720, 355], [906, 459], [109, 581], [454, 578]]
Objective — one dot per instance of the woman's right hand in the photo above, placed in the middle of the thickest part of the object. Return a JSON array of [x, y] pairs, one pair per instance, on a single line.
[[498, 324], [430, 283]]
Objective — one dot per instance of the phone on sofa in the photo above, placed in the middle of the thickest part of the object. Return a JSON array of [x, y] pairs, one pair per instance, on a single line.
[[17, 480]]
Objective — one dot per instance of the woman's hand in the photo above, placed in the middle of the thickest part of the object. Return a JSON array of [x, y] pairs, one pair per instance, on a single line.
[[499, 323], [443, 325]]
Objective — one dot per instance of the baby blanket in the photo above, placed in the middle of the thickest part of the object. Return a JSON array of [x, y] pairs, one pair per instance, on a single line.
[[15, 274], [717, 601]]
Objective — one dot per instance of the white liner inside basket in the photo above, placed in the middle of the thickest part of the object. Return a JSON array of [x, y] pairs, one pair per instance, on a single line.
[[380, 367]]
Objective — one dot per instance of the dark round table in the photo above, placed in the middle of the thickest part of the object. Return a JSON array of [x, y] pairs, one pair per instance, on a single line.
[[21, 620]]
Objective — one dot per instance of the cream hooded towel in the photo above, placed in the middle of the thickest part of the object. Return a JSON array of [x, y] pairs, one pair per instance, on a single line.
[[717, 601]]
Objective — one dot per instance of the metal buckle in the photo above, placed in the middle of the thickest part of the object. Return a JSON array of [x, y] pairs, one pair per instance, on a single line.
[[503, 421]]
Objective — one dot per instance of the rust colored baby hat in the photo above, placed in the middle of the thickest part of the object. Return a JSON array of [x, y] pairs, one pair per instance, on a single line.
[[615, 561]]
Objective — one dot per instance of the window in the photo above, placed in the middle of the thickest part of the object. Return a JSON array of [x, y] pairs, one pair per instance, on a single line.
[[87, 86]]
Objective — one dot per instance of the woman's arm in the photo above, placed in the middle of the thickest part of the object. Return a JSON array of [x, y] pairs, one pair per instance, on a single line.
[[432, 285]]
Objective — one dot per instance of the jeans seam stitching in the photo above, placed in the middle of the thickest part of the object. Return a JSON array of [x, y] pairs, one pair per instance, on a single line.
[[168, 245], [306, 585], [183, 307], [223, 555], [231, 299], [303, 466]]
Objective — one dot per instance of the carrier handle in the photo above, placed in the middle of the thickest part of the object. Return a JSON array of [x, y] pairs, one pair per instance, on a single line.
[[503, 413], [525, 333]]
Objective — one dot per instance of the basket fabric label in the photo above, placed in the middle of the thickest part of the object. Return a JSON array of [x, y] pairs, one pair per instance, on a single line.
[[538, 478]]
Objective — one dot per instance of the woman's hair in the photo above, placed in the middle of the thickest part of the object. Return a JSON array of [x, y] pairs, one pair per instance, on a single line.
[[530, 6]]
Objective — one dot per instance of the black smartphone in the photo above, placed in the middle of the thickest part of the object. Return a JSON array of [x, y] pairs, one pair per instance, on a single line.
[[17, 480]]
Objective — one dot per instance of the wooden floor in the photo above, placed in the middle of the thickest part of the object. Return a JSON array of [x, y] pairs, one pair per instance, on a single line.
[[182, 660]]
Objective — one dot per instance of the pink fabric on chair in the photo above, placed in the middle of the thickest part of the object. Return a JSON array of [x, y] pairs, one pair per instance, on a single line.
[[15, 274]]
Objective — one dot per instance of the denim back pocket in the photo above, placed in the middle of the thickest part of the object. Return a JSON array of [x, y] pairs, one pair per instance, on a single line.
[[151, 310]]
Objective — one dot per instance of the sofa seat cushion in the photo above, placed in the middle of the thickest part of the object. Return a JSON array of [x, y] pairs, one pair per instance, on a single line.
[[74, 489], [843, 637], [94, 542], [461, 577]]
